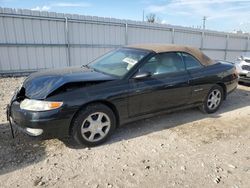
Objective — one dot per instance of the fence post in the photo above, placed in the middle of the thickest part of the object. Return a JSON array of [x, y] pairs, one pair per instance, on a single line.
[[126, 33], [226, 48], [173, 35], [247, 44], [67, 41], [202, 39]]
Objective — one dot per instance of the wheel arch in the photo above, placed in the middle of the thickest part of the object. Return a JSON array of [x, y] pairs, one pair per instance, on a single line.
[[104, 102], [221, 84]]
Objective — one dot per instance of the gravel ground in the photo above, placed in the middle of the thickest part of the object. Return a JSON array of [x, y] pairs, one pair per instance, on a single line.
[[182, 149]]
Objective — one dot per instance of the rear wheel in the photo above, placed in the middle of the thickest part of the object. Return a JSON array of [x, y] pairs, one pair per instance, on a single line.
[[93, 125], [213, 100]]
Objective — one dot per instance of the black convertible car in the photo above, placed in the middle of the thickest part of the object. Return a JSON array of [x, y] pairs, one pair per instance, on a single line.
[[89, 102]]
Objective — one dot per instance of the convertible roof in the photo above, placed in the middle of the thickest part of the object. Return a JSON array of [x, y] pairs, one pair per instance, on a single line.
[[160, 48]]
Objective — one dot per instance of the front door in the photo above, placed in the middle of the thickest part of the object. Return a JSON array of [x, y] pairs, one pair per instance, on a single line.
[[166, 88]]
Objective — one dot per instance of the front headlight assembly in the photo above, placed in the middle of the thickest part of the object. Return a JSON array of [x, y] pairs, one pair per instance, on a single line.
[[38, 105]]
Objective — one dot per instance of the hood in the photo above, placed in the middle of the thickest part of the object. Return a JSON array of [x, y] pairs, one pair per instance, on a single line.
[[40, 84]]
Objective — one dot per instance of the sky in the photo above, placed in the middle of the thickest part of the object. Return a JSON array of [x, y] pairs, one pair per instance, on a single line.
[[222, 15]]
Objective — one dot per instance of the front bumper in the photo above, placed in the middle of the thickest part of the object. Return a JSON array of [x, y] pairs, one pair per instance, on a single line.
[[27, 130], [55, 122], [244, 78]]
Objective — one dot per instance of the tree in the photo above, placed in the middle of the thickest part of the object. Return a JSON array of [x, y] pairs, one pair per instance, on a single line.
[[151, 18]]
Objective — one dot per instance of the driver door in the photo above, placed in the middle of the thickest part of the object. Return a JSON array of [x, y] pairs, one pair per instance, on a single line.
[[166, 88]]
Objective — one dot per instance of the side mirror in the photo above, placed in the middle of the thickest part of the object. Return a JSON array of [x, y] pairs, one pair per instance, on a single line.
[[239, 58], [141, 75]]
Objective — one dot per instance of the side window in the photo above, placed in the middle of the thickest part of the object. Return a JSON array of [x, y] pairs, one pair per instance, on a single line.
[[164, 63], [191, 62]]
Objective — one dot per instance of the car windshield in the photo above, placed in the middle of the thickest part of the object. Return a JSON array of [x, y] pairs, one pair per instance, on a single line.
[[118, 62]]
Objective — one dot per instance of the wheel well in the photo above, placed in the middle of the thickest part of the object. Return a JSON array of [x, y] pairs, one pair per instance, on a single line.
[[224, 89], [109, 104]]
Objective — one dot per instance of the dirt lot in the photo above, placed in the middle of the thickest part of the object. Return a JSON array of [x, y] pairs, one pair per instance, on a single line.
[[183, 149]]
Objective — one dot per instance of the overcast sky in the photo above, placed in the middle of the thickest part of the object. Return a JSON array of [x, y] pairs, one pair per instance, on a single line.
[[222, 15]]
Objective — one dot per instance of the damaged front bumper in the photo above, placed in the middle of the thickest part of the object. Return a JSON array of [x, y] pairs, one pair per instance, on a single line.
[[29, 131], [37, 123]]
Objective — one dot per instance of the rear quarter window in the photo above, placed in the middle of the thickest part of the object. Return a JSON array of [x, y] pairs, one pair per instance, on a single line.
[[190, 61]]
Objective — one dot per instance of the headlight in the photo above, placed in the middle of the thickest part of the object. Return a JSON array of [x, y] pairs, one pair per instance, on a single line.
[[37, 105]]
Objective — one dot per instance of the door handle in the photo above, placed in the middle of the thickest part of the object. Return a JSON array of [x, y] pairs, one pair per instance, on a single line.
[[198, 89], [169, 85], [138, 90]]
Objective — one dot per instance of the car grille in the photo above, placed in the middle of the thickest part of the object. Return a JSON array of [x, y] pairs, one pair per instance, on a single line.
[[246, 67]]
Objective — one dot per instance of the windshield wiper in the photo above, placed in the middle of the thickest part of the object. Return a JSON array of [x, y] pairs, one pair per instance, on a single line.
[[86, 66]]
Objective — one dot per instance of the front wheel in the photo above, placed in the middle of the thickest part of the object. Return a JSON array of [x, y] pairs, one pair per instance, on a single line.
[[213, 100], [93, 125]]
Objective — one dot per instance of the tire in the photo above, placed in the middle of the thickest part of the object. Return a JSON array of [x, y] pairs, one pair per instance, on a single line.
[[210, 104], [93, 125]]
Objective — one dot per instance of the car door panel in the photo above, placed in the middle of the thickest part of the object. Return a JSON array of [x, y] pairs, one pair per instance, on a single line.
[[199, 79], [158, 93], [200, 84]]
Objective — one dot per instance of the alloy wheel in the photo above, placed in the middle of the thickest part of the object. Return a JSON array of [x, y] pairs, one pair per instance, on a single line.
[[95, 127], [214, 99]]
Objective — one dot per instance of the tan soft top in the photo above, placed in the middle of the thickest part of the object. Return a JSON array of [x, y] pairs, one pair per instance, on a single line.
[[160, 48]]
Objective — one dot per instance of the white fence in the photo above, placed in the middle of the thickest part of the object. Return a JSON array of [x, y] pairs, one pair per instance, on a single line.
[[32, 40]]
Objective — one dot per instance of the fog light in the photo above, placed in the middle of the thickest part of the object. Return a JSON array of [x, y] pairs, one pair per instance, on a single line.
[[34, 132]]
